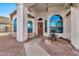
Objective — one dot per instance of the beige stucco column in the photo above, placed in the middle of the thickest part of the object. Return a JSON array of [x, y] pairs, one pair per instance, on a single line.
[[21, 23], [75, 27]]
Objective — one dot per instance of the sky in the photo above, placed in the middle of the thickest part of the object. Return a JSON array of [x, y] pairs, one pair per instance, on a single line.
[[7, 8]]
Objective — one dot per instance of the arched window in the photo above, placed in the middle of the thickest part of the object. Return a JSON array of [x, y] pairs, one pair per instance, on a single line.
[[30, 26], [15, 25], [56, 24]]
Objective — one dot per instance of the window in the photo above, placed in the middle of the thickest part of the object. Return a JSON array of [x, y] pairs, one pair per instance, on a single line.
[[45, 25], [1, 27], [56, 24], [15, 25], [6, 28], [30, 26]]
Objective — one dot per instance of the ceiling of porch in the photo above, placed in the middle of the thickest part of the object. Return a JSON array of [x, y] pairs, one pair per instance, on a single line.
[[43, 6]]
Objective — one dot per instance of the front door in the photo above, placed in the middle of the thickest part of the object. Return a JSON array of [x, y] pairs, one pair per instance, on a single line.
[[40, 28]]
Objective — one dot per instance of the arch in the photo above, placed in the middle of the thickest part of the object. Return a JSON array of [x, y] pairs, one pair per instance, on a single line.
[[40, 19], [56, 24], [15, 25], [30, 26]]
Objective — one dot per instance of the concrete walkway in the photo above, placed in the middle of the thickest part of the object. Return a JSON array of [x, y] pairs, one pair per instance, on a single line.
[[33, 48]]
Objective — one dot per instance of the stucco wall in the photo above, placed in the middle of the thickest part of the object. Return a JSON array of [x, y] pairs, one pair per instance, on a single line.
[[46, 16], [5, 22], [68, 27], [2, 28]]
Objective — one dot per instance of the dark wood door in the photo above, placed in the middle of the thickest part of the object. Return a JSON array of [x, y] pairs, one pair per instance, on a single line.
[[40, 28]]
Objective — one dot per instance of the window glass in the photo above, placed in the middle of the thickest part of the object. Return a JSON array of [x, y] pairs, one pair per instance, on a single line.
[[15, 25], [30, 26], [45, 25], [56, 24]]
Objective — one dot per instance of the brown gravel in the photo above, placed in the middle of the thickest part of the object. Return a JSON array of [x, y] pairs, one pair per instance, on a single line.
[[10, 47], [59, 48]]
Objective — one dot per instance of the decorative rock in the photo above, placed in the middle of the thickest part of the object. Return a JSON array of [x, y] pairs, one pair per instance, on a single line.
[[48, 42]]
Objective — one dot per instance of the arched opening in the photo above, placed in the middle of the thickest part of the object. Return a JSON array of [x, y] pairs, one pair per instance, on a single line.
[[56, 24], [15, 25], [30, 27], [40, 19]]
